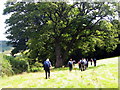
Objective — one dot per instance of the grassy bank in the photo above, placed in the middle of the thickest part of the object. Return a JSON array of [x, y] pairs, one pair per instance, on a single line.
[[104, 75]]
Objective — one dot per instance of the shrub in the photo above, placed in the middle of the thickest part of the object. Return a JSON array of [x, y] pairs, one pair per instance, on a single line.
[[18, 65], [6, 68], [36, 67]]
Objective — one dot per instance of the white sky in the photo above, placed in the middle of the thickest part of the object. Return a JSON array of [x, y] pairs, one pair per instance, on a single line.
[[2, 20]]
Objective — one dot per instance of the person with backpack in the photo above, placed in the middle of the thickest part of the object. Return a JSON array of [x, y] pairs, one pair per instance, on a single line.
[[81, 64], [47, 65], [70, 64]]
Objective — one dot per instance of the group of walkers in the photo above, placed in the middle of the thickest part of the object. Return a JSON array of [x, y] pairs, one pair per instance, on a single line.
[[82, 64]]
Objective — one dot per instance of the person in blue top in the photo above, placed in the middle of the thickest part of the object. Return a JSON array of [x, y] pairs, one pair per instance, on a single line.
[[47, 65], [70, 64]]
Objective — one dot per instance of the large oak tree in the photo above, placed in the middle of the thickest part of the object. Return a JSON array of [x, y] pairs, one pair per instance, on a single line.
[[56, 29]]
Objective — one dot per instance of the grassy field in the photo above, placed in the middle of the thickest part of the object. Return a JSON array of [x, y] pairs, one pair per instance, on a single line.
[[104, 75]]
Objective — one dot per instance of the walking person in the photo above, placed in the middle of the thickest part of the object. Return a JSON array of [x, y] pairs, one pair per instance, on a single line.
[[47, 65], [91, 60], [94, 60], [87, 62], [74, 62], [80, 63], [70, 64]]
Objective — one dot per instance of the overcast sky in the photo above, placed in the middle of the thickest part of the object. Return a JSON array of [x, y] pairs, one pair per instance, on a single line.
[[2, 20]]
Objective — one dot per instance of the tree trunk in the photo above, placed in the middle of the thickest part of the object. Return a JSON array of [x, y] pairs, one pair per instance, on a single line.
[[59, 61]]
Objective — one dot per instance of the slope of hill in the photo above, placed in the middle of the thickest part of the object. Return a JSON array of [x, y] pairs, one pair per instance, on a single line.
[[104, 75]]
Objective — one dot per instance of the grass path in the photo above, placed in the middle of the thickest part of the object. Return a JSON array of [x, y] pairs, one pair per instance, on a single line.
[[105, 75]]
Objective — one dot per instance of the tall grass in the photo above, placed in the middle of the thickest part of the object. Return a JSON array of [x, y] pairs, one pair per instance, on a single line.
[[104, 75]]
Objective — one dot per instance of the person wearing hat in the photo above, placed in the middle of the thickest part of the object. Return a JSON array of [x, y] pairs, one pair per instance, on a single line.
[[47, 65]]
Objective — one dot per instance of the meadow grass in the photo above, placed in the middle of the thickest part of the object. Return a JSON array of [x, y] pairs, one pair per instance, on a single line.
[[104, 75]]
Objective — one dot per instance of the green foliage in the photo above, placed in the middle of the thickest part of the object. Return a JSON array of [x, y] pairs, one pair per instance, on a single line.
[[36, 67], [32, 65], [56, 29], [6, 69], [18, 65]]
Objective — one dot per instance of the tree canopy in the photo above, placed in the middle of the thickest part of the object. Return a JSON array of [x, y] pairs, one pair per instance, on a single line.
[[56, 29]]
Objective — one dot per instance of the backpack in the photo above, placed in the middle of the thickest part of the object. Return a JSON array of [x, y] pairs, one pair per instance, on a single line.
[[46, 64], [81, 61]]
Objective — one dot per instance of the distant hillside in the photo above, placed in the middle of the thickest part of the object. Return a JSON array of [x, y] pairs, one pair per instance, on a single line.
[[4, 46]]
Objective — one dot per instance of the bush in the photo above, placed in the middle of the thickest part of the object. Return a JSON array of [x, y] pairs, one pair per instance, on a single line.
[[36, 67], [18, 65], [6, 69]]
